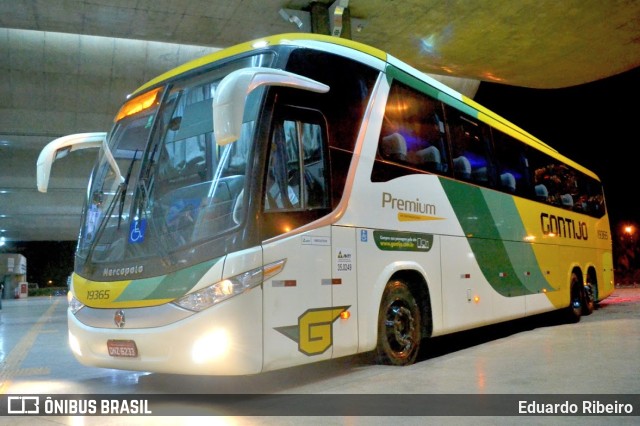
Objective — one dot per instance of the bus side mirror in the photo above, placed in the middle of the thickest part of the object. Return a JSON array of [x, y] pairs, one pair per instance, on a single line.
[[60, 147], [231, 96]]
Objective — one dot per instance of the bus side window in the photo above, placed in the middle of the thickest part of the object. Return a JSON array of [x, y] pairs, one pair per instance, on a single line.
[[563, 186], [413, 133], [511, 163], [554, 182], [545, 181], [296, 177], [296, 181], [591, 200], [279, 195], [470, 149]]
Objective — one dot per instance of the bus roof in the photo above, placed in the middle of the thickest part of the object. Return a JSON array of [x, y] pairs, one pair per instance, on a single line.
[[295, 39], [305, 39]]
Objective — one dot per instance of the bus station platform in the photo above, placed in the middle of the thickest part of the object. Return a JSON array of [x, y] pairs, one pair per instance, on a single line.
[[527, 359]]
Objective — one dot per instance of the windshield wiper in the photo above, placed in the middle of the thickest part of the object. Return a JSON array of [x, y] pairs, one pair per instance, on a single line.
[[145, 183], [125, 185], [120, 194], [103, 223]]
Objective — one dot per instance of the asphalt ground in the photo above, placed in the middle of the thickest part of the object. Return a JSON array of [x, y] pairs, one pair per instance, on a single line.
[[527, 359]]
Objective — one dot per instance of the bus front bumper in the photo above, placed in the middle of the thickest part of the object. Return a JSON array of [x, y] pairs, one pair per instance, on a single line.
[[225, 339]]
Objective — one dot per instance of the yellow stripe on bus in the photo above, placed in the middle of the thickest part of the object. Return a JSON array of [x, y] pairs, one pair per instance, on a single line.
[[411, 217], [100, 294]]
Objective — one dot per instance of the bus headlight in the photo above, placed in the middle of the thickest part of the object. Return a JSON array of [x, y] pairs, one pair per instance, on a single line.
[[210, 347], [222, 290]]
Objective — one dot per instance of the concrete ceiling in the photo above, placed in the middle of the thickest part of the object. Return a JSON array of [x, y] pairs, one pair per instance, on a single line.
[[66, 65]]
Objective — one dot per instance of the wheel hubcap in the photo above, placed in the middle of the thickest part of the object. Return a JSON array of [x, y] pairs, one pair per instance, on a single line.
[[400, 328]]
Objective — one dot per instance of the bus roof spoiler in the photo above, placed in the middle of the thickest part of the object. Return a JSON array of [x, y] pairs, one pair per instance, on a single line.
[[59, 148], [231, 96]]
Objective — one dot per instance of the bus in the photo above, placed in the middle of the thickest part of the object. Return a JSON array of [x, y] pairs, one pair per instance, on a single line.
[[304, 197]]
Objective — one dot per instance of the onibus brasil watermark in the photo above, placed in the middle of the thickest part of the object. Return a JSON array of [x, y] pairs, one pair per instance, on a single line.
[[34, 404]]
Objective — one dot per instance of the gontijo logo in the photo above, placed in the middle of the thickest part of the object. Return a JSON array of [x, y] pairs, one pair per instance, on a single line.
[[409, 210], [563, 227]]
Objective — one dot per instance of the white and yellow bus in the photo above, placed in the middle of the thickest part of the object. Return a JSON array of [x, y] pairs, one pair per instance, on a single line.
[[303, 197]]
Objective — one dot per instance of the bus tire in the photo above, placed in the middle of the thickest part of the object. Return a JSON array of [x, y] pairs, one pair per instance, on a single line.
[[590, 291], [576, 300], [588, 304], [399, 325]]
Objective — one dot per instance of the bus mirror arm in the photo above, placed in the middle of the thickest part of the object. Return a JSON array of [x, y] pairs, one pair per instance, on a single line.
[[59, 148], [231, 96]]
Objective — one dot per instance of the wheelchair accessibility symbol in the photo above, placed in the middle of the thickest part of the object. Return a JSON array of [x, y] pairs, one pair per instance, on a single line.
[[137, 230]]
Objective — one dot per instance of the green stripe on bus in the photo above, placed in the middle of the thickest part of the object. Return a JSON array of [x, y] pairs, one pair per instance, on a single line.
[[393, 72], [171, 286], [496, 248]]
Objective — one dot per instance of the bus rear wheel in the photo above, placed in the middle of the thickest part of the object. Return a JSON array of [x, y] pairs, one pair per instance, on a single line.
[[576, 301], [588, 304], [399, 325], [590, 292]]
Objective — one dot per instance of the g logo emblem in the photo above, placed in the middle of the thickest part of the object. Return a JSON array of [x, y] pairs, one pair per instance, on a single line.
[[314, 332]]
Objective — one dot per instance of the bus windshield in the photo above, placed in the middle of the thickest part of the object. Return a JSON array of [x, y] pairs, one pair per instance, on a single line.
[[179, 188]]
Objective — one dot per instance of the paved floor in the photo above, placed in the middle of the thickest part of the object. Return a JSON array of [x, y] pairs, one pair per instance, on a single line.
[[599, 355]]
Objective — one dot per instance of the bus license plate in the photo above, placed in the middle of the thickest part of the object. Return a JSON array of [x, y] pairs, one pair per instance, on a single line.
[[122, 348]]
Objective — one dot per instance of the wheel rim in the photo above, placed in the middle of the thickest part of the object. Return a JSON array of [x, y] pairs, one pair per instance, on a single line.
[[400, 329], [576, 302]]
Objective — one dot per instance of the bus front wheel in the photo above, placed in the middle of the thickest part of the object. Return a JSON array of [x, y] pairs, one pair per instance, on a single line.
[[399, 325]]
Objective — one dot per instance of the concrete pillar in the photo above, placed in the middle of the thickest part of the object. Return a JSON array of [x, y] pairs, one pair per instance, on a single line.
[[321, 20]]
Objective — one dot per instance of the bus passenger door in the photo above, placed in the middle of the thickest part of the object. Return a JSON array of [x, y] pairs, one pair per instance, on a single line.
[[297, 304], [297, 301]]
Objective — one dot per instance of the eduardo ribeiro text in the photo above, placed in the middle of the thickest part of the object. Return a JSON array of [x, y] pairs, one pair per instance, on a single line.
[[586, 408]]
